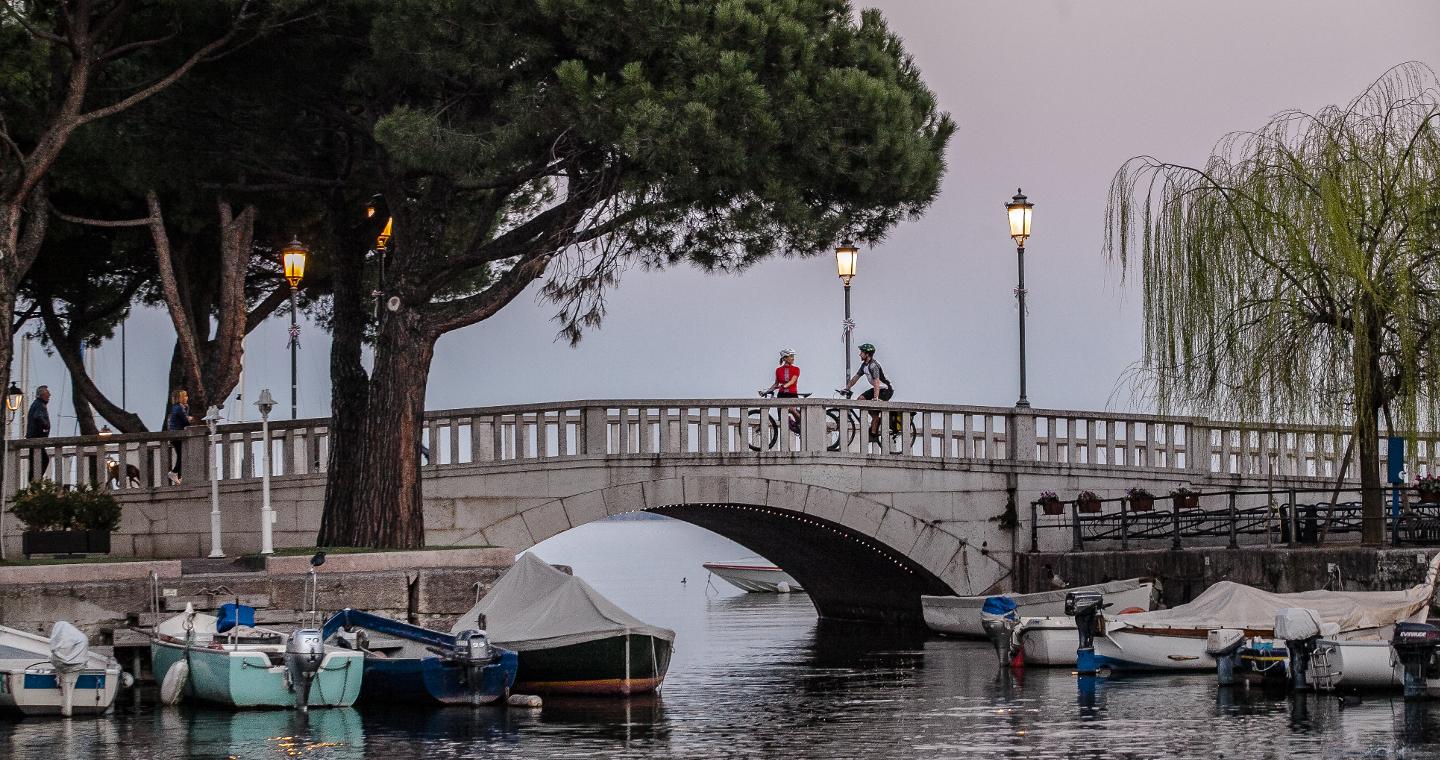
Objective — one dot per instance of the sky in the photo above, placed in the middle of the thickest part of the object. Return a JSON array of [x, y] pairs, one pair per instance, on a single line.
[[1049, 95]]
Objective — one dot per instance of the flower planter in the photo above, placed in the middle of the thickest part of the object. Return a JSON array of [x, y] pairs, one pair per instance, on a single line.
[[1187, 501], [65, 542], [1088, 505], [1142, 503], [1429, 497], [1053, 507]]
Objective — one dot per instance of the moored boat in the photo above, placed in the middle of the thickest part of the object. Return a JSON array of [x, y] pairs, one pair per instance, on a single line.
[[1176, 639], [55, 676], [419, 665], [569, 638], [755, 577], [193, 658], [960, 615]]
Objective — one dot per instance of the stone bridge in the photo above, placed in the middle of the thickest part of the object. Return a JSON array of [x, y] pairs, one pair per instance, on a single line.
[[939, 503]]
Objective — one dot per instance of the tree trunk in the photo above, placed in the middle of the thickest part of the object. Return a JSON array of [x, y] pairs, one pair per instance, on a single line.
[[84, 417], [1368, 401], [349, 391], [388, 509]]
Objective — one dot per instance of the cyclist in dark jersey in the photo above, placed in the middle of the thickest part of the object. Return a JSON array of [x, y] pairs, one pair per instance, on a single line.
[[880, 386]]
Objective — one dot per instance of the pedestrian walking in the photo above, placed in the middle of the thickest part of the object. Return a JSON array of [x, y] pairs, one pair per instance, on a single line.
[[37, 425], [178, 418]]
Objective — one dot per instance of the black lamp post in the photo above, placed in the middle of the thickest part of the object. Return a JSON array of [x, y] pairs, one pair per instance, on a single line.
[[846, 257], [293, 255], [1019, 209]]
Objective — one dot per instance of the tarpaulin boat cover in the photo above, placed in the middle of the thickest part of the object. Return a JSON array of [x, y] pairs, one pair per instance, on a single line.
[[69, 648], [534, 606], [1040, 597], [1234, 605]]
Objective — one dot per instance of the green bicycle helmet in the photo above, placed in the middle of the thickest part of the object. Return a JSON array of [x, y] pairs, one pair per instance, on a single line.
[[868, 348]]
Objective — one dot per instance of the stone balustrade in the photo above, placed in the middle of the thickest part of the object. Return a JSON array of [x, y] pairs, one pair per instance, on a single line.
[[724, 428]]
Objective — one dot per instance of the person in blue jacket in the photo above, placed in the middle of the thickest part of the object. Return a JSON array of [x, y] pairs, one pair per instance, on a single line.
[[178, 418], [37, 425]]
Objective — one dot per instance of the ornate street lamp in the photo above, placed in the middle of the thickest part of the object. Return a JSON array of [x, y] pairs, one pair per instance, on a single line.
[[846, 257], [212, 419], [293, 255], [1019, 210], [267, 515]]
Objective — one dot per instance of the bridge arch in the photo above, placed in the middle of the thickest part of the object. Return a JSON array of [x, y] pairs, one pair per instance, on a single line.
[[857, 557]]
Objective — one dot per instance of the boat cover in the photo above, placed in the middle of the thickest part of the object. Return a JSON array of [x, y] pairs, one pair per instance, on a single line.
[[1234, 605], [69, 648], [534, 606]]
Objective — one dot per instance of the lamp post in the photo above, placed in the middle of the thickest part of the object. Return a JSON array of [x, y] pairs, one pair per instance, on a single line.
[[212, 418], [14, 399], [293, 255], [846, 257], [1019, 209], [267, 515]]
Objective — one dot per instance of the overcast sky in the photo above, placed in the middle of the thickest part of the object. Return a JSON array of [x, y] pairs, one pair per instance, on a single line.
[[1052, 96]]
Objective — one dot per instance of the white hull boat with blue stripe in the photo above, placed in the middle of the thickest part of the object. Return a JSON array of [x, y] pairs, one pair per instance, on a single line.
[[38, 679]]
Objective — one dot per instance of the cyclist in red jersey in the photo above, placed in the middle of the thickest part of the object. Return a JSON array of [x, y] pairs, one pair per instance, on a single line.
[[787, 377]]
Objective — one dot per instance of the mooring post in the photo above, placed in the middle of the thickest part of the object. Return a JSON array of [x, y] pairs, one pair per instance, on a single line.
[[1034, 530], [1077, 537], [1291, 519], [1234, 527], [1175, 523], [1124, 523]]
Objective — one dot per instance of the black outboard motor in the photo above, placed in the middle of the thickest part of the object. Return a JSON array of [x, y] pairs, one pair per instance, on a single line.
[[1299, 628], [1415, 645], [473, 648], [1085, 607]]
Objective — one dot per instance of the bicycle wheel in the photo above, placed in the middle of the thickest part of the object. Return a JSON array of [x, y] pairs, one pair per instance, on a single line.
[[754, 430], [841, 435]]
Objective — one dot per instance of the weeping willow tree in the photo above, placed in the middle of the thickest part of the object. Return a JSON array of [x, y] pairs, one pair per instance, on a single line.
[[1294, 275]]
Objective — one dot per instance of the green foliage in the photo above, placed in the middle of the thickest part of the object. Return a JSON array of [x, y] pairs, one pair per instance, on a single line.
[[44, 505], [1294, 275]]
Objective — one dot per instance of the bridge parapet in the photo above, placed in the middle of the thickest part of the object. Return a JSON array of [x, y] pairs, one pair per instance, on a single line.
[[1139, 443]]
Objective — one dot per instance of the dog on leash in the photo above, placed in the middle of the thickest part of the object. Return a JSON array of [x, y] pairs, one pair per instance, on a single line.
[[112, 470]]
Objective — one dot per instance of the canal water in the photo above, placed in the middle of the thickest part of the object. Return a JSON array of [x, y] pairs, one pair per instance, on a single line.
[[757, 676]]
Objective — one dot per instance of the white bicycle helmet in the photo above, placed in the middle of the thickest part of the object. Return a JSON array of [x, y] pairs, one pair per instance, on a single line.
[[784, 352]]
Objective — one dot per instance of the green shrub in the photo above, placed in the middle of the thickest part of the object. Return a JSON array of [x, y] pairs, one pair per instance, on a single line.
[[45, 505]]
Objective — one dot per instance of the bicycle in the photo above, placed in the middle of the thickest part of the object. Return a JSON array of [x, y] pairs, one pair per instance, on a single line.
[[754, 426], [855, 420]]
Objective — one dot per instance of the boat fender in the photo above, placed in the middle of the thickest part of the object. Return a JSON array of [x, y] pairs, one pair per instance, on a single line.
[[1131, 610], [173, 687], [782, 587], [524, 700], [126, 680]]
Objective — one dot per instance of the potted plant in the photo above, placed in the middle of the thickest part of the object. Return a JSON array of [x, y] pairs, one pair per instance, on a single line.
[[1141, 500], [61, 521], [1051, 503], [1428, 486], [1185, 498], [1088, 501]]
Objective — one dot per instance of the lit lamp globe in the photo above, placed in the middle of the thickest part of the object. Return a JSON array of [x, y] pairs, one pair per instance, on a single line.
[[1019, 209], [14, 397], [293, 256], [846, 257]]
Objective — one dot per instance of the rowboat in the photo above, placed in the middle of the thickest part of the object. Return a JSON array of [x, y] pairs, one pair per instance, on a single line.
[[754, 577], [55, 676], [418, 665], [193, 658], [570, 639], [960, 615]]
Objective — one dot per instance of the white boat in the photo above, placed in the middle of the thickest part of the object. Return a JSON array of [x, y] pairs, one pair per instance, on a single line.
[[55, 676], [1175, 639], [758, 577], [1357, 664], [960, 615], [1046, 641]]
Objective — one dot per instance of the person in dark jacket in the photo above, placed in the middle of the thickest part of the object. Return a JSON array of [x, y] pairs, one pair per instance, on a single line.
[[178, 418], [37, 425]]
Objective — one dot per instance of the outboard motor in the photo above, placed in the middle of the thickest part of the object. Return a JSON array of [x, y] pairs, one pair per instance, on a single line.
[[472, 648], [1299, 628], [1224, 645], [303, 653], [998, 617], [1415, 645], [1085, 607], [69, 651]]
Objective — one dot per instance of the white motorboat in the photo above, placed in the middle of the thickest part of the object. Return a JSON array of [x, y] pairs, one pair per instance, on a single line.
[[960, 615], [1176, 639], [758, 577], [1358, 664], [55, 676]]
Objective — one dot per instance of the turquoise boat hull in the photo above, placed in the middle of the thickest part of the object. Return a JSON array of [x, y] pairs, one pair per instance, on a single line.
[[252, 678]]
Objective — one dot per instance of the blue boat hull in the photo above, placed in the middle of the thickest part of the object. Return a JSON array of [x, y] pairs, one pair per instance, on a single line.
[[433, 680]]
